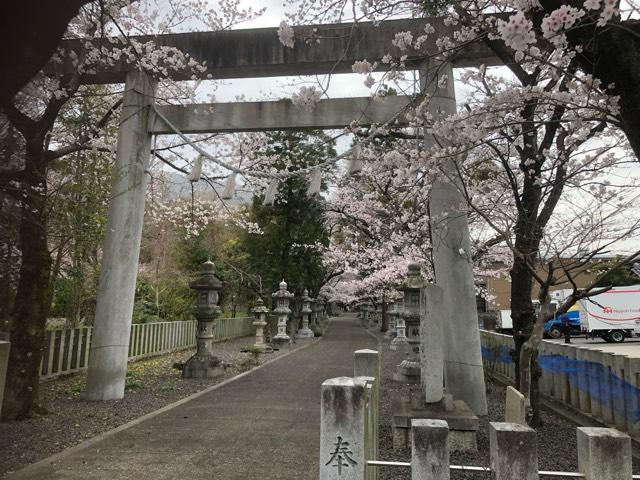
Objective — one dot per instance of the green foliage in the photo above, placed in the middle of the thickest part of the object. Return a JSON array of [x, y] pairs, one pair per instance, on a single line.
[[620, 277], [193, 252], [294, 232], [79, 187], [133, 384], [74, 297], [163, 300]]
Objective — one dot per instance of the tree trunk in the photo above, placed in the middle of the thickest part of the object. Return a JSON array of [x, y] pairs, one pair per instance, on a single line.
[[32, 297], [384, 324], [527, 244], [522, 311], [536, 419]]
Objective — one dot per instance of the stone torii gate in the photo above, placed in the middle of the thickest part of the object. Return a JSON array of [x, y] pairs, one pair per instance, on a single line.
[[258, 53]]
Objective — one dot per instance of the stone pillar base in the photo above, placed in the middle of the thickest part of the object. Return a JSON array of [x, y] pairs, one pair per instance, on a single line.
[[463, 424], [305, 333], [399, 343], [202, 366], [281, 341]]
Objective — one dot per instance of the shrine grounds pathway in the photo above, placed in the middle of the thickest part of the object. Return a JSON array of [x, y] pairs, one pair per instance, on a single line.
[[264, 425]]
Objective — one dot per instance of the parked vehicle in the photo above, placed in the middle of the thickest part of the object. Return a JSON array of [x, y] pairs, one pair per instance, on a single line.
[[613, 315], [554, 327], [504, 323]]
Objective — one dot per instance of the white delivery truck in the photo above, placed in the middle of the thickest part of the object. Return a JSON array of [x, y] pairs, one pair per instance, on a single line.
[[613, 315], [504, 323]]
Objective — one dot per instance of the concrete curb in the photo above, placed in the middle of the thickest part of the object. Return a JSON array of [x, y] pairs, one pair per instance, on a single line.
[[24, 472]]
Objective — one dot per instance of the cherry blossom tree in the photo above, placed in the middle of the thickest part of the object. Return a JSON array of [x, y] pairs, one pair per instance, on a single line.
[[524, 136], [34, 113]]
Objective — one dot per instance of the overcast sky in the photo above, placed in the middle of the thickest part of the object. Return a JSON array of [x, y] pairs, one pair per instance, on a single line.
[[347, 85]]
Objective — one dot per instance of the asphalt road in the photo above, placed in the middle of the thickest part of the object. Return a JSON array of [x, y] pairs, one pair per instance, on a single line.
[[630, 347]]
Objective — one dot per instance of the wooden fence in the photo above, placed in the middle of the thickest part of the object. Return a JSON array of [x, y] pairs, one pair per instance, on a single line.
[[603, 386], [67, 350]]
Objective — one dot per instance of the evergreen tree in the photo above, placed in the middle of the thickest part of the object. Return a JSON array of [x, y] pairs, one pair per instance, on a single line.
[[294, 234]]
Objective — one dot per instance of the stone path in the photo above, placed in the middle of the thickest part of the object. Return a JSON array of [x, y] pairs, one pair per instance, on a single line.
[[265, 425]]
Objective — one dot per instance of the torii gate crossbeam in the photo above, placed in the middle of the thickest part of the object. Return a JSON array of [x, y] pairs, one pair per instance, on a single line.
[[257, 52]]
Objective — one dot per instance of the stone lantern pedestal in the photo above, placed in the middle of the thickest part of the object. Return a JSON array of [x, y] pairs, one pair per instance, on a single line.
[[305, 331], [282, 297], [204, 364]]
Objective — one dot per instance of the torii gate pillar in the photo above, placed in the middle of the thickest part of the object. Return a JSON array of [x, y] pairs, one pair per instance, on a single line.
[[116, 288], [464, 376]]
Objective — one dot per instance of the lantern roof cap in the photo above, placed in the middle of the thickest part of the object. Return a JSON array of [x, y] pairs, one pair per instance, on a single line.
[[206, 279], [414, 280], [282, 291], [260, 308]]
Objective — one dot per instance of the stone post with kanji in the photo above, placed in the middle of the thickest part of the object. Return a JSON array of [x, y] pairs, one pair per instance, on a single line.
[[342, 428], [282, 309]]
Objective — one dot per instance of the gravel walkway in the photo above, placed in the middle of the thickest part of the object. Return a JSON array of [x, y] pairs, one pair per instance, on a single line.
[[151, 384], [556, 438]]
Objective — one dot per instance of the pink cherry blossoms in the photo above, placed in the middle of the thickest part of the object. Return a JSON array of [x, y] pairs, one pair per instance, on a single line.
[[517, 32]]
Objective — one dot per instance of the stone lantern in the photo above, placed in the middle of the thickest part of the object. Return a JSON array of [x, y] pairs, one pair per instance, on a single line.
[[204, 364], [391, 315], [409, 370], [282, 297], [369, 309], [363, 315], [317, 313], [400, 342], [315, 326], [305, 331], [260, 312], [377, 312], [411, 303]]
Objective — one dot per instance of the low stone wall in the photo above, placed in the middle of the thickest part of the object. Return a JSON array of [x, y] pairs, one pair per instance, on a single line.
[[604, 386]]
